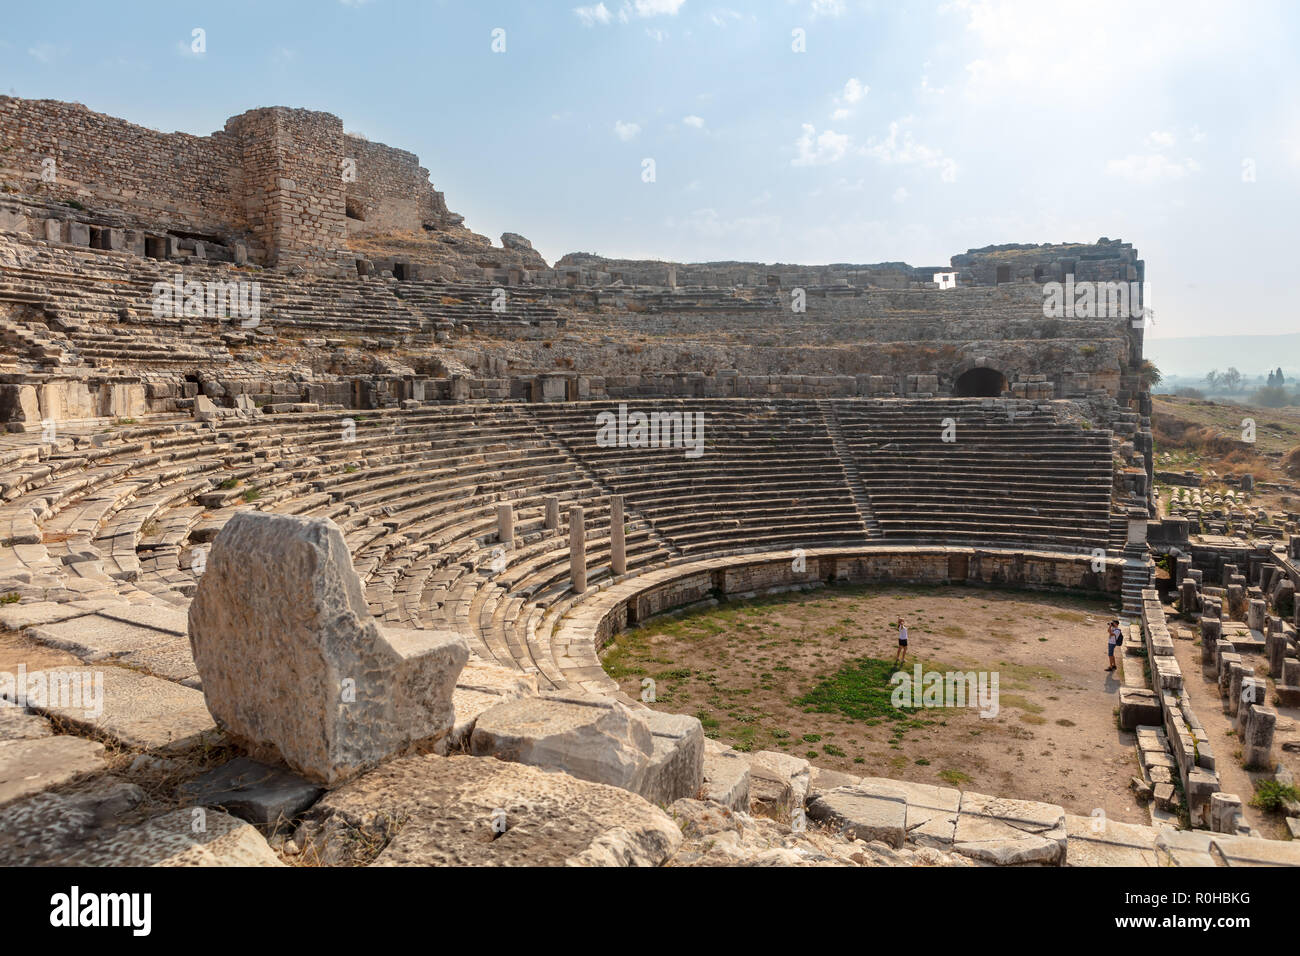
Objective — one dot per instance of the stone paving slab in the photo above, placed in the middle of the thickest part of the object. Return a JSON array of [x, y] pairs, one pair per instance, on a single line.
[[158, 616], [138, 711], [94, 637], [172, 660], [17, 724], [33, 765], [1094, 841], [1009, 832]]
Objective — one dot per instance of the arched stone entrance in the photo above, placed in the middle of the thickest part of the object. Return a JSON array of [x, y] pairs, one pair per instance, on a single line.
[[979, 383]]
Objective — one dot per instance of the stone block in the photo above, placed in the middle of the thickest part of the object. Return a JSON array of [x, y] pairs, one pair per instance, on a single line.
[[726, 779], [868, 812], [293, 664], [1138, 706], [263, 795], [590, 737]]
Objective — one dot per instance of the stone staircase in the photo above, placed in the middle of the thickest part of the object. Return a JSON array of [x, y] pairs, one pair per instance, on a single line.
[[851, 474]]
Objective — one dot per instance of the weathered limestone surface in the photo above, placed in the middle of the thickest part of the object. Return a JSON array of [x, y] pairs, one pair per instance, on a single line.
[[187, 837], [1009, 832], [778, 783], [294, 666], [931, 811], [1094, 841], [138, 711], [677, 767], [867, 812], [32, 765], [42, 828], [726, 776], [440, 811], [593, 738], [717, 836]]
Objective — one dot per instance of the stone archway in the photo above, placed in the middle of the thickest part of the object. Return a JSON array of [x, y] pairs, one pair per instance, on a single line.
[[981, 382]]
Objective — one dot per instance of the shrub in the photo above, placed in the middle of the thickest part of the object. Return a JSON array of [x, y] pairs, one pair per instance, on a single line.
[[1271, 796]]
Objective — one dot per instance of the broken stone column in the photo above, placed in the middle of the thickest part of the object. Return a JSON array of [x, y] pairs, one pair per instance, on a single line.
[[506, 524], [1255, 615], [552, 514], [577, 549], [1257, 736], [617, 537], [1252, 692], [294, 667], [1237, 673], [1188, 603], [1225, 812], [1211, 628]]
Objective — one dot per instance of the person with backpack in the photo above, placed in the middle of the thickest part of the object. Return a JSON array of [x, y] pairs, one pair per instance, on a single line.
[[1115, 639]]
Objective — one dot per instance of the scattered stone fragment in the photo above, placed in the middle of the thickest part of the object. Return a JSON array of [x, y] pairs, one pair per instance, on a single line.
[[262, 795]]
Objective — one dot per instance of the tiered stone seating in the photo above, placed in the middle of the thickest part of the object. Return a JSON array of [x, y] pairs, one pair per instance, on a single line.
[[114, 511], [768, 476], [103, 303], [1014, 475]]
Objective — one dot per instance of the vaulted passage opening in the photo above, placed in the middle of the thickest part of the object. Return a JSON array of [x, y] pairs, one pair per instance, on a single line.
[[980, 383]]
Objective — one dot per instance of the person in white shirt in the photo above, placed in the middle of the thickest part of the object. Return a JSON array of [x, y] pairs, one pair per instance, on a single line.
[[901, 656], [1116, 636]]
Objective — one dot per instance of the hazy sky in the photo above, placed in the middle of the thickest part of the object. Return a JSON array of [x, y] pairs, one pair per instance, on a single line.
[[900, 132]]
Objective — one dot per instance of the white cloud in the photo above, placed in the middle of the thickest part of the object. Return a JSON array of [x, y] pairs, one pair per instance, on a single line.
[[658, 8], [1160, 139], [642, 9], [841, 114], [854, 90], [819, 149], [1151, 168], [720, 18], [45, 52], [590, 16], [1196, 135], [626, 131], [659, 36], [826, 8], [1026, 51], [900, 149], [696, 121], [900, 194]]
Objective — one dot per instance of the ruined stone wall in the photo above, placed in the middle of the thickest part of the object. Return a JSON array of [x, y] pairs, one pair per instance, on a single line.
[[1106, 260], [293, 184], [274, 176], [391, 191], [169, 180]]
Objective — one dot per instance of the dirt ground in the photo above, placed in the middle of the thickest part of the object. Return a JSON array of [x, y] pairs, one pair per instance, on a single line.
[[807, 673]]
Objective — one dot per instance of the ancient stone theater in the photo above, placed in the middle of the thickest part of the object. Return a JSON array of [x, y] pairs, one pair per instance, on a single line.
[[318, 509]]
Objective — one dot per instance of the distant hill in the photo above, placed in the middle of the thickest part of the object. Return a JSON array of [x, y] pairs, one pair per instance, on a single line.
[[1251, 354]]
